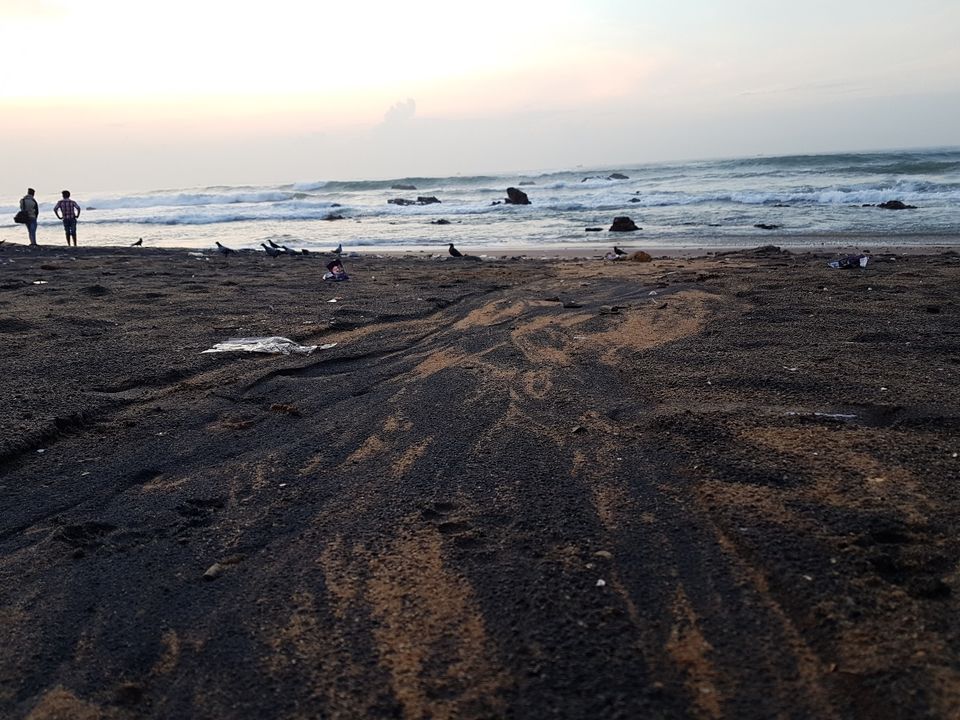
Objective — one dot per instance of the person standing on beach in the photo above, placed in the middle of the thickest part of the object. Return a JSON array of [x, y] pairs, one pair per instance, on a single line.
[[68, 211], [29, 205]]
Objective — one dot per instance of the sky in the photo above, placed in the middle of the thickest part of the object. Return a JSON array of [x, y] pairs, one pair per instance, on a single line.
[[114, 95]]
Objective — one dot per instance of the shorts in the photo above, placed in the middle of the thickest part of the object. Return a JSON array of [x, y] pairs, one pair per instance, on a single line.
[[70, 225]]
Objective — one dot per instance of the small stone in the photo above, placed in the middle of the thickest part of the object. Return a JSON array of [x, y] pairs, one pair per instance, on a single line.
[[606, 555], [213, 572]]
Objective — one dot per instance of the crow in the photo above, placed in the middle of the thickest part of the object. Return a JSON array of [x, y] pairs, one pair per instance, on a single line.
[[224, 250], [138, 243], [453, 251], [305, 251], [339, 249], [618, 251], [273, 244]]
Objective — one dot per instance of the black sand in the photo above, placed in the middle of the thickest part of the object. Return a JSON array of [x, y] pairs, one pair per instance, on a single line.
[[723, 487]]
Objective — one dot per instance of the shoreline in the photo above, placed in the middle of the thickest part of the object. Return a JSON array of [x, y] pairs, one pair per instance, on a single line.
[[924, 244]]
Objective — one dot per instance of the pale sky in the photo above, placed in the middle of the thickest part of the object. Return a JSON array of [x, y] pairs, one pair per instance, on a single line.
[[114, 95]]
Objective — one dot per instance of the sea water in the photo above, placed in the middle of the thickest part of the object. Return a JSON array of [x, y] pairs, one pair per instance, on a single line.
[[813, 199]]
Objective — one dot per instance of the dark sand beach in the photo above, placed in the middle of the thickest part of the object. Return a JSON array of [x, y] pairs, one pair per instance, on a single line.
[[715, 487]]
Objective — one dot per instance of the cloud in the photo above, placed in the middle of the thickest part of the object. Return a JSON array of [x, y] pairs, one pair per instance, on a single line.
[[400, 112]]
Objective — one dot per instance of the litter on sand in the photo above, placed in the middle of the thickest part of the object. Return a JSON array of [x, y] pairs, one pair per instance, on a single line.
[[274, 345], [850, 261], [335, 271]]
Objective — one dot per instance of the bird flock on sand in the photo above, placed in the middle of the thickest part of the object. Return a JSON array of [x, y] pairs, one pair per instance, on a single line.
[[274, 250]]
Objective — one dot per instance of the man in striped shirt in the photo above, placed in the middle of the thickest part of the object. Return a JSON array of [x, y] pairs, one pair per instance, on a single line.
[[68, 211]]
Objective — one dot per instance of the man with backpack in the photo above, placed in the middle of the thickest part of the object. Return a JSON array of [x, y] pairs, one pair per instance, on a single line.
[[28, 205]]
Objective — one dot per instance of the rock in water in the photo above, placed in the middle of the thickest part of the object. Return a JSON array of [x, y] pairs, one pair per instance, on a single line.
[[622, 223], [516, 196], [896, 205]]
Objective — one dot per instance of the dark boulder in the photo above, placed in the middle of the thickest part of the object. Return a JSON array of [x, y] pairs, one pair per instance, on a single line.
[[527, 182], [401, 186], [593, 229], [765, 226], [622, 223], [441, 221], [591, 177], [333, 216], [427, 200], [896, 205], [617, 176], [635, 200], [401, 201], [516, 197]]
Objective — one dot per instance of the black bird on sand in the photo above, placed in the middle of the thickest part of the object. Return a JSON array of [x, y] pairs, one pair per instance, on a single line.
[[224, 250], [272, 252], [618, 251], [453, 251], [273, 244], [138, 243], [305, 251], [339, 249]]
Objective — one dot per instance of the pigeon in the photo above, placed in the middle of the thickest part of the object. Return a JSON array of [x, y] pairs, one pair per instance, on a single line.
[[305, 251], [286, 249], [138, 243], [339, 249], [272, 252], [224, 250], [273, 244], [618, 251], [453, 251]]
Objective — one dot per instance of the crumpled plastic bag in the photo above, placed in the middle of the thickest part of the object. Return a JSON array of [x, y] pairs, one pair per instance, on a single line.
[[850, 261], [274, 345]]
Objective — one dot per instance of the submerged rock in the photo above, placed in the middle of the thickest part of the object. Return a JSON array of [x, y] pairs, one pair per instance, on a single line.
[[422, 200], [896, 205]]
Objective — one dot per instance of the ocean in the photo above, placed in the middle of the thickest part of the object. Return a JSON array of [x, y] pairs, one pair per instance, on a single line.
[[812, 199]]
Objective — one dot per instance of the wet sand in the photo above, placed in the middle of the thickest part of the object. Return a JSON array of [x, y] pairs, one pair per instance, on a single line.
[[716, 487]]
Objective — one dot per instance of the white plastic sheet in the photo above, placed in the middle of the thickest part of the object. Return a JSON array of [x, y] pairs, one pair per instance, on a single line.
[[273, 345]]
